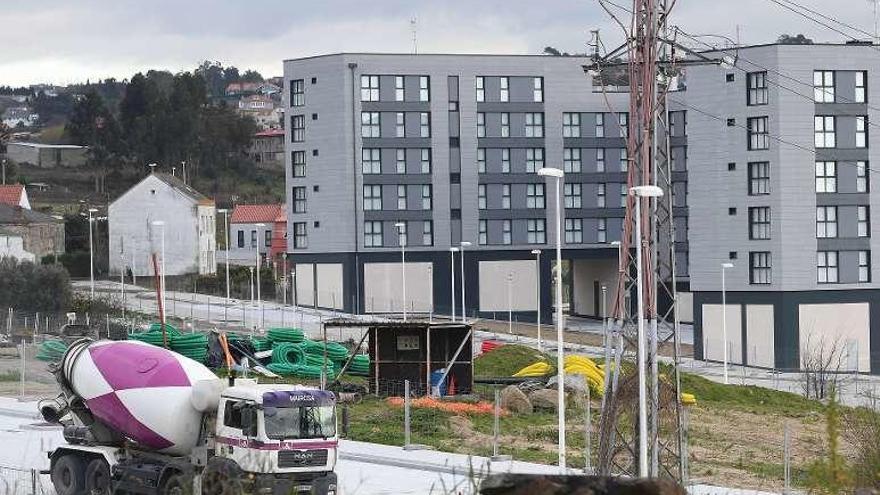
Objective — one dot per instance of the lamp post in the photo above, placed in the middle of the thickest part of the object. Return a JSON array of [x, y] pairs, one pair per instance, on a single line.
[[463, 245], [642, 192], [91, 255], [452, 252], [724, 267], [509, 303], [161, 225], [537, 253], [401, 239], [225, 213], [558, 175], [431, 292], [258, 264]]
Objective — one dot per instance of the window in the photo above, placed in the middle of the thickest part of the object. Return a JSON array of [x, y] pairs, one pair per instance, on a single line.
[[623, 122], [240, 238], [624, 194], [372, 197], [299, 199], [757, 88], [484, 233], [864, 223], [535, 196], [862, 177], [534, 159], [427, 233], [401, 197], [600, 195], [505, 88], [572, 195], [600, 159], [826, 177], [505, 124], [730, 77], [402, 236], [481, 160], [400, 124], [370, 125], [538, 91], [298, 128], [759, 178], [369, 88], [505, 196], [624, 160], [826, 221], [861, 132], [401, 160], [253, 238], [399, 95], [371, 160], [300, 241], [481, 124], [864, 266], [425, 160], [758, 134], [536, 231], [571, 160], [373, 234], [600, 125], [759, 222], [481, 196], [481, 88], [505, 232], [571, 125], [297, 93], [861, 94], [424, 88], [759, 267], [823, 86], [299, 163], [505, 160], [426, 196], [574, 231], [602, 230], [534, 125], [267, 238], [824, 134], [826, 265]]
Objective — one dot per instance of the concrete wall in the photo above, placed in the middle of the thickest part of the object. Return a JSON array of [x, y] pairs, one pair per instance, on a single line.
[[496, 294], [759, 335], [41, 239], [585, 273], [305, 284], [46, 157], [713, 332], [328, 277], [248, 252], [13, 246], [839, 330], [383, 287]]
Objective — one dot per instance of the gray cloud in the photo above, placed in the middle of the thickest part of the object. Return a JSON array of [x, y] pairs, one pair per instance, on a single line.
[[65, 41]]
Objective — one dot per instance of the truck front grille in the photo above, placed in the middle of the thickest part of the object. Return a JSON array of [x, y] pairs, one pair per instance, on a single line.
[[302, 458]]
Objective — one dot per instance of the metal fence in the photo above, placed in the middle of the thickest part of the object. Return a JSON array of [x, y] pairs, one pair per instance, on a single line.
[[17, 481]]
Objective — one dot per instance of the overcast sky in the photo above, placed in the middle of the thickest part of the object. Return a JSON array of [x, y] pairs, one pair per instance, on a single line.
[[63, 41]]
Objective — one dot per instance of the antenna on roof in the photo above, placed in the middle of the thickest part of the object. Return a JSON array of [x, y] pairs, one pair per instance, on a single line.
[[413, 25], [152, 167]]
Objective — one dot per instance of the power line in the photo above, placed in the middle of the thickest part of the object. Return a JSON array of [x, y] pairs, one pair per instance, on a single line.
[[831, 19], [812, 19]]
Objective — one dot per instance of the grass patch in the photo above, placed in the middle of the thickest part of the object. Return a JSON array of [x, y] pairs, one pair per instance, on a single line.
[[507, 360], [10, 376], [748, 398]]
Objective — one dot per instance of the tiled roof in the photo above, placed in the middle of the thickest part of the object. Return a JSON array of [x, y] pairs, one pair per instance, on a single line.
[[11, 194], [270, 133], [256, 213]]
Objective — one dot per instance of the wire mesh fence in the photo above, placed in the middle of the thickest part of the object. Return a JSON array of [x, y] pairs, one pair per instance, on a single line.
[[17, 481]]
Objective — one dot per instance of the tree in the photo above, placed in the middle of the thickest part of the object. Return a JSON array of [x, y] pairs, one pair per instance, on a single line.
[[251, 76], [5, 136], [93, 125], [798, 39], [29, 287]]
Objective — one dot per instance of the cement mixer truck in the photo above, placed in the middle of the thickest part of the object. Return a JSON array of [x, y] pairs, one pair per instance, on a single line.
[[142, 419]]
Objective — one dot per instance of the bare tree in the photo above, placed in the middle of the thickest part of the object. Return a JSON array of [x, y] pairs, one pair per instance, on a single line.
[[821, 362], [861, 429]]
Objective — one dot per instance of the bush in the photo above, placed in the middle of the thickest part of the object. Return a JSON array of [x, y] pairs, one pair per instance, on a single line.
[[30, 287]]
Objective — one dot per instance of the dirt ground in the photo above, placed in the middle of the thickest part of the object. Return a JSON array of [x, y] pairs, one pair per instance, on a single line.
[[39, 382]]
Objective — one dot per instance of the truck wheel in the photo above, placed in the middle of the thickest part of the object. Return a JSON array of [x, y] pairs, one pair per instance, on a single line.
[[68, 475], [98, 477], [175, 485]]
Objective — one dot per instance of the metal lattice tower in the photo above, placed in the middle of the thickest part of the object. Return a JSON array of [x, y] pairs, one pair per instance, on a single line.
[[651, 67]]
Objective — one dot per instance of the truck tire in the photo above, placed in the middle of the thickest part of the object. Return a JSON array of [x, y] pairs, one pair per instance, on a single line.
[[97, 479], [221, 478], [175, 485], [68, 475]]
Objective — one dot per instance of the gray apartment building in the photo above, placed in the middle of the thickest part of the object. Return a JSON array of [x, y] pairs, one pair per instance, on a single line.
[[436, 150], [780, 176]]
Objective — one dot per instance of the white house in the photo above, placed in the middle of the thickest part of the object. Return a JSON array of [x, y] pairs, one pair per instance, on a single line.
[[162, 205], [12, 245], [251, 231], [14, 195]]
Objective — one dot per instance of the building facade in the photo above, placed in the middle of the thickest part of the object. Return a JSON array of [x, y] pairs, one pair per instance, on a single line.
[[47, 155], [429, 151], [252, 232], [42, 234]]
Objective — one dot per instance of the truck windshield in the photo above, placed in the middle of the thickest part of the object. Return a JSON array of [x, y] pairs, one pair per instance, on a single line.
[[300, 422]]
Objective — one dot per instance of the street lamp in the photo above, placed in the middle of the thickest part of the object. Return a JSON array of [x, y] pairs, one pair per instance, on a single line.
[[91, 255], [258, 264], [463, 245], [431, 293], [509, 303], [558, 175], [225, 213], [537, 253], [724, 267], [452, 252], [401, 239], [642, 192], [161, 225]]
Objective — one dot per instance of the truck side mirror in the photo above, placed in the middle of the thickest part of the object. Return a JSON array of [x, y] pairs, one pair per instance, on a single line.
[[249, 422]]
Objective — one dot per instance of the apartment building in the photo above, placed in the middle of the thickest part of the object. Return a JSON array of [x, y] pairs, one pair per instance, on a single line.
[[780, 187], [432, 151]]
